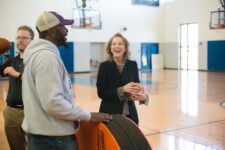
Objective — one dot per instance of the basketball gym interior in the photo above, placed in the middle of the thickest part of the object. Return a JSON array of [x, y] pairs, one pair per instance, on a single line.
[[179, 46]]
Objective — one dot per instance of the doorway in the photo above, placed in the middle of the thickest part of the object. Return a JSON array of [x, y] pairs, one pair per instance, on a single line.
[[189, 46], [147, 49]]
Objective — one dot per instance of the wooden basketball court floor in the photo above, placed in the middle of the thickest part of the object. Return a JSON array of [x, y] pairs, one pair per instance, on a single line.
[[185, 110]]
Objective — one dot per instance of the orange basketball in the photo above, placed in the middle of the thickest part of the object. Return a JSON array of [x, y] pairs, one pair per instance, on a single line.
[[5, 45]]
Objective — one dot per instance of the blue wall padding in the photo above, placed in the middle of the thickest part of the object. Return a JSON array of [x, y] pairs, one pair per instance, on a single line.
[[67, 56], [216, 55], [147, 49]]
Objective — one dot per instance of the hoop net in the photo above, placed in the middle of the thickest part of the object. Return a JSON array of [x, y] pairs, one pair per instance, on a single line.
[[219, 26]]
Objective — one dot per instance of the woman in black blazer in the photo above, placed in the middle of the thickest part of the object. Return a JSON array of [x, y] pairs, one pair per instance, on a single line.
[[118, 81]]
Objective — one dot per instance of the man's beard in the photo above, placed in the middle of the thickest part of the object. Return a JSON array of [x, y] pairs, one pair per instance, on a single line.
[[61, 41], [65, 45], [21, 50]]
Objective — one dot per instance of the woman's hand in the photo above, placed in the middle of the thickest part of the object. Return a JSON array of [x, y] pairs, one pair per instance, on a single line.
[[135, 91], [132, 88], [139, 97]]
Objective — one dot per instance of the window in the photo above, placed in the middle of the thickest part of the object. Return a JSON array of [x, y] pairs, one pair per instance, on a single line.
[[146, 2]]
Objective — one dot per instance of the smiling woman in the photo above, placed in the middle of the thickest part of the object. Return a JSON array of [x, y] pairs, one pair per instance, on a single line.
[[118, 83]]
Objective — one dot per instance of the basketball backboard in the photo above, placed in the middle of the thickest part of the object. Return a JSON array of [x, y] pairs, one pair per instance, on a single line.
[[86, 18], [217, 19]]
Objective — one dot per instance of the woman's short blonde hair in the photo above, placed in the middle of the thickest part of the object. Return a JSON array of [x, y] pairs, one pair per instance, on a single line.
[[126, 44]]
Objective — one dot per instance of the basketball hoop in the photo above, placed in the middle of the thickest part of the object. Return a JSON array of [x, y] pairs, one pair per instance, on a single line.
[[86, 18], [217, 19], [219, 26], [88, 25]]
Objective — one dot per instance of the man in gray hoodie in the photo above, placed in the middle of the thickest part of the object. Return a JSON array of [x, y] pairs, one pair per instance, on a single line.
[[51, 117]]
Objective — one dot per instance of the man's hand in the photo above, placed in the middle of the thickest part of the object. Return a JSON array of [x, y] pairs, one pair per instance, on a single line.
[[100, 117], [11, 71]]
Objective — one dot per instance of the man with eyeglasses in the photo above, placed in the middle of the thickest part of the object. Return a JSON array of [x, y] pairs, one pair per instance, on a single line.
[[13, 113]]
